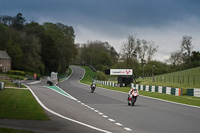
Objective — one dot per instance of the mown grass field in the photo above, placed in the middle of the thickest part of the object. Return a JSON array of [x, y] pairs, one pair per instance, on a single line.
[[189, 79], [20, 104], [190, 100], [185, 79]]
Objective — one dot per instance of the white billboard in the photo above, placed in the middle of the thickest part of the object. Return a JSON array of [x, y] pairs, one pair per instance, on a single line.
[[121, 71]]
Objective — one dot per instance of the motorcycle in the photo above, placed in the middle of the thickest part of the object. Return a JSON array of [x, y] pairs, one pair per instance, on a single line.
[[132, 98], [93, 86]]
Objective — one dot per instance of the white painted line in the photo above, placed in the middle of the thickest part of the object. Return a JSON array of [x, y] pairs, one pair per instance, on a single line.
[[86, 105], [118, 124], [96, 111], [35, 82], [105, 116], [128, 129], [79, 101], [100, 113], [111, 120], [92, 108], [62, 93], [89, 107], [67, 93], [75, 121]]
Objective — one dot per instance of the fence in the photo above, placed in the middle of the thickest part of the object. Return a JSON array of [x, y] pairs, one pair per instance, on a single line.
[[176, 79]]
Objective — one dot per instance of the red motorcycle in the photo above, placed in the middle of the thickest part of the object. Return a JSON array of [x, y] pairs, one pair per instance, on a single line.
[[132, 97]]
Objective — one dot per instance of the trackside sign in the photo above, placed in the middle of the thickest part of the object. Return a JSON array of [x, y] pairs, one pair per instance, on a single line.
[[121, 71]]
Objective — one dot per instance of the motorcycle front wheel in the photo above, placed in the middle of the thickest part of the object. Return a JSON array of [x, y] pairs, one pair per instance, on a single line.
[[92, 90], [133, 101]]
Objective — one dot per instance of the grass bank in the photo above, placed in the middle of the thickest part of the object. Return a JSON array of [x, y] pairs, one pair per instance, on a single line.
[[20, 104], [190, 100], [185, 79]]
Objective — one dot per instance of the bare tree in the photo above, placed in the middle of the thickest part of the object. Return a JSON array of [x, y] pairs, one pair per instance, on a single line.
[[152, 49], [176, 58], [143, 50], [186, 45], [129, 48]]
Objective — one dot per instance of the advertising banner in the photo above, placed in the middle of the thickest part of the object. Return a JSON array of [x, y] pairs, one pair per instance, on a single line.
[[121, 71]]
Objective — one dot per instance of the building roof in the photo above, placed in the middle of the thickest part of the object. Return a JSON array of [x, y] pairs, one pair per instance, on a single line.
[[4, 55]]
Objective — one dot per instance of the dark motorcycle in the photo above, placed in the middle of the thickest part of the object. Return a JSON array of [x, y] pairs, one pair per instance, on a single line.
[[93, 86]]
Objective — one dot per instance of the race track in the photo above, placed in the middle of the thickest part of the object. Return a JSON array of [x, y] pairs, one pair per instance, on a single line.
[[75, 109], [147, 116]]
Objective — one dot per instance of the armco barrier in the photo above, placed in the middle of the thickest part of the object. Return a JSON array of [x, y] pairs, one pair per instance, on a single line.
[[197, 92], [159, 89], [193, 92], [106, 83]]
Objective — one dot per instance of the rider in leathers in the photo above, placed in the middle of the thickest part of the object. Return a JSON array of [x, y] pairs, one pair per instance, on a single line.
[[93, 85]]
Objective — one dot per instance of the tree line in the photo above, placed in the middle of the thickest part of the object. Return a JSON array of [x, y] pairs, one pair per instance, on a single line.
[[48, 47], [37, 48], [137, 54]]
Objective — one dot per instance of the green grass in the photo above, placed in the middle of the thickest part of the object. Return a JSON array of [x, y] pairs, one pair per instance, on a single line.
[[20, 104], [190, 78], [190, 100], [6, 130], [89, 75], [10, 84]]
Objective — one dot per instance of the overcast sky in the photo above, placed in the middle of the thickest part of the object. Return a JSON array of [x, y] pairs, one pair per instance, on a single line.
[[163, 21]]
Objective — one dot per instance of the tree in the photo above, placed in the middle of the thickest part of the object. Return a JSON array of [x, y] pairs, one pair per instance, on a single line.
[[18, 22], [129, 48], [195, 58], [31, 53], [90, 51], [104, 59], [186, 46], [151, 50], [113, 55], [176, 58], [6, 20], [63, 37], [49, 54], [14, 50], [142, 50]]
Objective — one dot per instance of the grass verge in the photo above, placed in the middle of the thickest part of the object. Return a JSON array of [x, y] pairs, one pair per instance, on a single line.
[[20, 104], [190, 100], [6, 130]]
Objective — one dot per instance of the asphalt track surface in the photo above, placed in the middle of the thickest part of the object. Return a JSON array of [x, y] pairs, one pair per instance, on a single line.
[[105, 111]]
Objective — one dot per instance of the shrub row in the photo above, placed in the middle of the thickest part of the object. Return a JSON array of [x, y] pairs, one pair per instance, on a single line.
[[16, 72]]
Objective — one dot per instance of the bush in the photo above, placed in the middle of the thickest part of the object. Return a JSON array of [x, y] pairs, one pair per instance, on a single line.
[[101, 76], [16, 72], [101, 68]]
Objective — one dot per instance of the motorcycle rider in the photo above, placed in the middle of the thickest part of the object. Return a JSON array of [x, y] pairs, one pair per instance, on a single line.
[[130, 92], [93, 85]]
